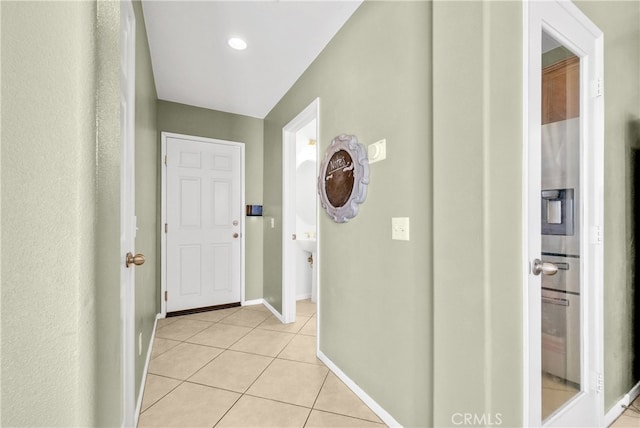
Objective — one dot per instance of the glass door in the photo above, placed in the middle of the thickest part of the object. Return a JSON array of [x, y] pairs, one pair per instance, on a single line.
[[560, 224], [564, 216]]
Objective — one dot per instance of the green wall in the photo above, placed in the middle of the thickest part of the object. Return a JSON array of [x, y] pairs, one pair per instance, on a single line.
[[477, 199], [373, 81], [189, 120], [620, 23], [50, 85], [147, 276]]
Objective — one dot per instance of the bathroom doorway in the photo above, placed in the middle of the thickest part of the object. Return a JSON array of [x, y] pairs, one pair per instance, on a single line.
[[300, 210]]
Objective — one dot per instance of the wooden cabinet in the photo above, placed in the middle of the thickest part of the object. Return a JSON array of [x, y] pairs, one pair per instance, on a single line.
[[561, 90]]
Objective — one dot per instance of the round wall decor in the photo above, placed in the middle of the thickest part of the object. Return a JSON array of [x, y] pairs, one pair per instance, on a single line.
[[344, 176]]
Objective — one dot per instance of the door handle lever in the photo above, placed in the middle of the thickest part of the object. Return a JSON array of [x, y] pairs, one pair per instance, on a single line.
[[545, 268]]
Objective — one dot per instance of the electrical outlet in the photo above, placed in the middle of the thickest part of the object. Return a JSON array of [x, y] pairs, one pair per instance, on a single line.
[[400, 228]]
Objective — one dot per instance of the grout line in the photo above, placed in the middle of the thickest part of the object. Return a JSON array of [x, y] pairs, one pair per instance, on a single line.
[[161, 398], [228, 410], [278, 401], [349, 416], [273, 358], [317, 395]]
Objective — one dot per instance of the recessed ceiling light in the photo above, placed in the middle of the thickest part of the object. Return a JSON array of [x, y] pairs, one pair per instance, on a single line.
[[237, 43]]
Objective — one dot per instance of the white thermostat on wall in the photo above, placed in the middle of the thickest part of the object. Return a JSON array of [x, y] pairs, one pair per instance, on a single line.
[[377, 151]]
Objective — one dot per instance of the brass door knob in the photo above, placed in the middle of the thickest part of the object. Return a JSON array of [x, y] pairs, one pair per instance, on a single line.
[[137, 260]]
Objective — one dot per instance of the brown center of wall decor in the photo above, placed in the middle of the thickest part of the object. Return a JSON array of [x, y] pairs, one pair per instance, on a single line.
[[344, 176]]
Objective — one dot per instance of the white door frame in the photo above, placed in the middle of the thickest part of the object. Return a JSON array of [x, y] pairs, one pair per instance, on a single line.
[[312, 111], [127, 207], [592, 185], [163, 235]]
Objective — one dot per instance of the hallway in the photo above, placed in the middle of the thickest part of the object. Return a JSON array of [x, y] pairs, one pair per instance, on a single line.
[[241, 367]]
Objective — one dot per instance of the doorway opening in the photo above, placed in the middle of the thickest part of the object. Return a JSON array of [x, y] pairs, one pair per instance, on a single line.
[[300, 255]]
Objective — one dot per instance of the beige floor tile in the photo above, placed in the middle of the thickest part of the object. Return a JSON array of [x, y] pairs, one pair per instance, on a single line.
[[324, 419], [220, 335], [257, 412], [259, 308], [163, 322], [183, 361], [305, 308], [160, 346], [263, 342], [155, 388], [273, 323], [212, 316], [189, 405], [335, 397], [301, 348], [232, 370], [182, 329], [309, 329], [245, 318], [627, 420], [291, 382], [553, 399]]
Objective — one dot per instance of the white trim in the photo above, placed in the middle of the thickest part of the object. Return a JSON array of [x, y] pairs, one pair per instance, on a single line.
[[143, 381], [366, 399], [526, 381], [288, 201], [303, 296], [253, 302], [163, 207], [273, 311], [617, 409], [127, 207]]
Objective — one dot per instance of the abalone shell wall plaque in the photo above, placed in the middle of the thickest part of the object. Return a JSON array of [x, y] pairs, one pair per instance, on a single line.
[[344, 176]]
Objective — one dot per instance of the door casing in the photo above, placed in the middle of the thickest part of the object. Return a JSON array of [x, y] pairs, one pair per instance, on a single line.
[[163, 235], [127, 208]]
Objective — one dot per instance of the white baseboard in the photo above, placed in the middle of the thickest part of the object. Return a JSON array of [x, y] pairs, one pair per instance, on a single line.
[[375, 407], [617, 409], [253, 302], [303, 296], [143, 381], [273, 311]]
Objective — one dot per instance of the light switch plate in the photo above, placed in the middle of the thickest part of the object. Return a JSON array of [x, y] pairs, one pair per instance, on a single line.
[[377, 151], [400, 228]]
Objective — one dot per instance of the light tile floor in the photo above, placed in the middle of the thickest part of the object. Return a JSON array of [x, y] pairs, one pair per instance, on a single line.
[[630, 417], [241, 367], [555, 393]]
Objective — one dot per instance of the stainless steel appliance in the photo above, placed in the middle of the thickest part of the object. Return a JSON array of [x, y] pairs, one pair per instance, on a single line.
[[561, 318], [561, 246]]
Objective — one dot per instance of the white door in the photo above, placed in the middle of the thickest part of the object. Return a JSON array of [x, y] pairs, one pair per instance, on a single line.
[[127, 209], [204, 222], [565, 205]]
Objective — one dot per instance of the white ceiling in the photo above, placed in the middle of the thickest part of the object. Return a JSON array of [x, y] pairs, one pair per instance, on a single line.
[[192, 63]]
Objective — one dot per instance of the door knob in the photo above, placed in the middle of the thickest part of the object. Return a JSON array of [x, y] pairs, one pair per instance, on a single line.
[[545, 268], [137, 260], [235, 235]]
